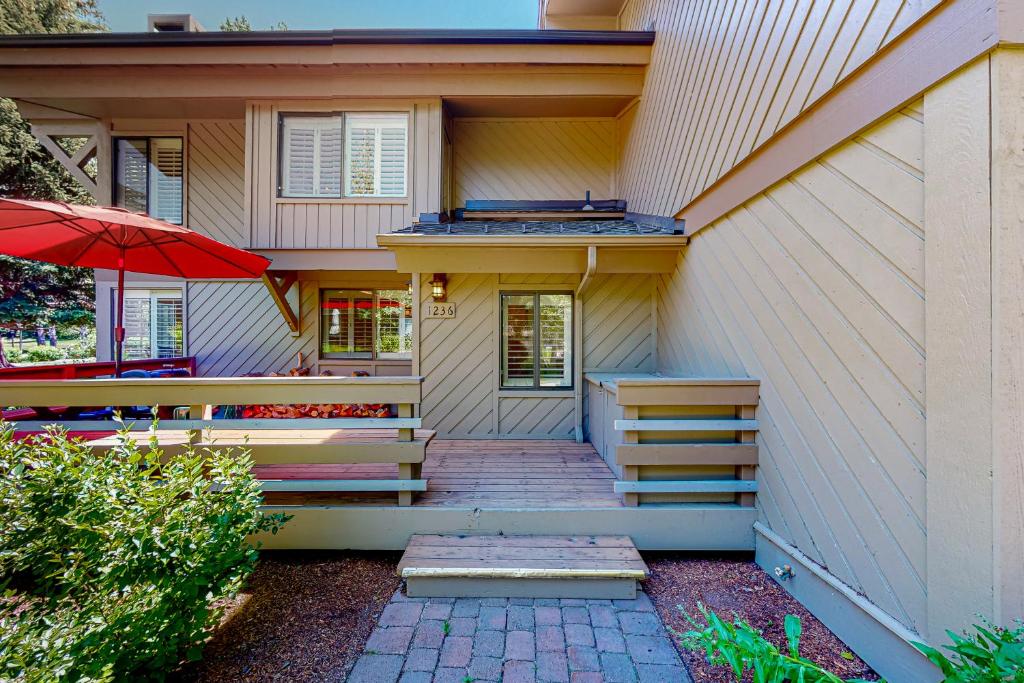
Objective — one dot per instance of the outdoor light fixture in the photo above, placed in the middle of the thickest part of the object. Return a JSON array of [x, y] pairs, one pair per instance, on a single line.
[[410, 287], [438, 287]]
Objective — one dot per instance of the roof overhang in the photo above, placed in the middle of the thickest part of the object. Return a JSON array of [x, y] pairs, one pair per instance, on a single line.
[[143, 75], [416, 253]]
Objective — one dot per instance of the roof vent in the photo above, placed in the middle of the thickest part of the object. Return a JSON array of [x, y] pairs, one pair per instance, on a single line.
[[173, 23]]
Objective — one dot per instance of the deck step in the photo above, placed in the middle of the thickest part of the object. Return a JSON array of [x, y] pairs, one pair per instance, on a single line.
[[455, 566]]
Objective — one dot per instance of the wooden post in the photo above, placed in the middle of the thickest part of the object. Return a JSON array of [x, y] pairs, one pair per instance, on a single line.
[[630, 472], [406, 470], [200, 412], [746, 472]]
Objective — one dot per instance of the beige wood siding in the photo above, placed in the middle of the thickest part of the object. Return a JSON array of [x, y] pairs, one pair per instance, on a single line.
[[235, 328], [816, 287], [459, 358], [725, 76], [216, 180], [618, 324], [281, 223], [533, 159]]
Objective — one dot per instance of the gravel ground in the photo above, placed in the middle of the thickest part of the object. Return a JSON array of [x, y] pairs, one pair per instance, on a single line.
[[303, 617], [734, 585]]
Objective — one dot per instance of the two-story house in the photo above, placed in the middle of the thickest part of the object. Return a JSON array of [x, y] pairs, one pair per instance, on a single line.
[[824, 196]]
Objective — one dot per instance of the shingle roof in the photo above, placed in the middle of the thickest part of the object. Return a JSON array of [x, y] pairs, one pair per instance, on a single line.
[[508, 228]]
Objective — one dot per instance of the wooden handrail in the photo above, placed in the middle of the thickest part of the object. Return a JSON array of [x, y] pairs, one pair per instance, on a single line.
[[206, 391]]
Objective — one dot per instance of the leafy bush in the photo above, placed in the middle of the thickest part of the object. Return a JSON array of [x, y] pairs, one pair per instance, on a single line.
[[993, 654], [40, 354], [115, 564], [742, 648], [80, 351]]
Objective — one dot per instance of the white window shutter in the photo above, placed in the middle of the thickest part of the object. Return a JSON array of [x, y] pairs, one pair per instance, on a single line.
[[392, 161], [376, 157], [311, 164], [165, 182]]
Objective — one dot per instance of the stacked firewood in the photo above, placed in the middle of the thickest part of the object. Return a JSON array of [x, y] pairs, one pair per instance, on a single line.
[[317, 410], [311, 409]]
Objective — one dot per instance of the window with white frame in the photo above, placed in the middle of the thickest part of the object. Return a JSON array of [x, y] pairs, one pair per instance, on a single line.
[[375, 155], [344, 155], [311, 156], [153, 323]]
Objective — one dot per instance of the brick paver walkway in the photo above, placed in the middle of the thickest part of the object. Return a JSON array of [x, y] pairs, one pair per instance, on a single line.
[[457, 640]]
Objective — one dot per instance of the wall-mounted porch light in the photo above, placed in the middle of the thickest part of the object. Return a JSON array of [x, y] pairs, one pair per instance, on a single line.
[[439, 287]]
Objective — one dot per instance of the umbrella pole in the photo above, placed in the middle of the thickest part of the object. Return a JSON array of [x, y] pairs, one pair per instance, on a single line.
[[119, 327]]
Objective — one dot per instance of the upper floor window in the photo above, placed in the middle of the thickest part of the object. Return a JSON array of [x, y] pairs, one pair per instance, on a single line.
[[536, 340], [148, 176], [352, 155]]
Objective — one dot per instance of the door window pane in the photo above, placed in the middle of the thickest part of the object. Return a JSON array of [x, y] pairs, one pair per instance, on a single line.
[[394, 324], [137, 342], [346, 323], [169, 341], [517, 340], [555, 313]]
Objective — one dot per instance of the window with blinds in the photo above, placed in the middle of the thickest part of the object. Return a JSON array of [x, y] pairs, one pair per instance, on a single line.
[[536, 340], [149, 177], [376, 153], [311, 156], [365, 324], [153, 323], [370, 150]]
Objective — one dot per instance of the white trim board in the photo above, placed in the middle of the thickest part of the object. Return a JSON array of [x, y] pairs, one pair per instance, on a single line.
[[876, 637]]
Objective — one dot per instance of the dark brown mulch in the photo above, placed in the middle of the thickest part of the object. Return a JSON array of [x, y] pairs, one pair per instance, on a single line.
[[730, 585], [304, 616]]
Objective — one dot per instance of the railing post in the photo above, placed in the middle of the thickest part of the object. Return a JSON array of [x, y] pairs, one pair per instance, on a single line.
[[406, 470], [200, 412], [630, 472], [746, 472]]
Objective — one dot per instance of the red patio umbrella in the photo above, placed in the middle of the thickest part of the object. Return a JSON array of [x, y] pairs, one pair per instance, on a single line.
[[107, 237]]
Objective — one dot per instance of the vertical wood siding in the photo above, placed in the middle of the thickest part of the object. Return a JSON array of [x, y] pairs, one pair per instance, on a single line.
[[816, 287], [725, 76], [533, 159], [235, 328], [337, 224], [216, 180]]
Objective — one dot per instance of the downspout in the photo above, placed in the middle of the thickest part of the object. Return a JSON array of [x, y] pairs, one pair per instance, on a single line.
[[578, 338]]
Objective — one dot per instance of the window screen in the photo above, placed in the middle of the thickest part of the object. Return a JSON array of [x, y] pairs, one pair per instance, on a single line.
[[536, 340]]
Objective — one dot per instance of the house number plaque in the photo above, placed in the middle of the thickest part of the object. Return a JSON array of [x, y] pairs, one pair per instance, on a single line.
[[444, 309]]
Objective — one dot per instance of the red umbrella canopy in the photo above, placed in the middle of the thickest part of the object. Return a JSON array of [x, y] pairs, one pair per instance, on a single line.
[[98, 237]]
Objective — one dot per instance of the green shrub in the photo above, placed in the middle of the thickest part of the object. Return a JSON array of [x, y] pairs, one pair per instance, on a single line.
[[115, 564], [993, 654], [79, 351], [743, 649], [41, 354]]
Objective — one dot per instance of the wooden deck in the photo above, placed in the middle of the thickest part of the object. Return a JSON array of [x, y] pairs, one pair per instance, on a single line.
[[484, 474]]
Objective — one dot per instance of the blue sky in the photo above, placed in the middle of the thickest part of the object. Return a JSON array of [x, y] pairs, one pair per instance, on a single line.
[[130, 15]]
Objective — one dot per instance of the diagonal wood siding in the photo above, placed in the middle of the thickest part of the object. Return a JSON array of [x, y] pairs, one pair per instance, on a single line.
[[235, 328], [816, 287], [533, 159], [457, 359], [618, 324], [725, 76], [216, 180]]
